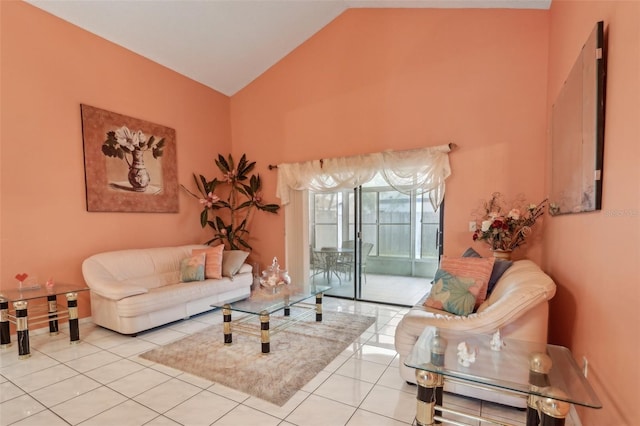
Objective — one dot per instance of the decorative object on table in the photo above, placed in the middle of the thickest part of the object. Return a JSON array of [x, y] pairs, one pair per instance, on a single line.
[[273, 278], [130, 164], [506, 226], [50, 283], [438, 348], [21, 278], [496, 342], [466, 355], [244, 196]]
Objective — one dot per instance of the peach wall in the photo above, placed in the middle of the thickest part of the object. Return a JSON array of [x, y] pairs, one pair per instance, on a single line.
[[49, 68], [378, 79], [594, 257]]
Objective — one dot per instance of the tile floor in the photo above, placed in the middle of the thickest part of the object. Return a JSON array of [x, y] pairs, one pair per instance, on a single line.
[[102, 381]]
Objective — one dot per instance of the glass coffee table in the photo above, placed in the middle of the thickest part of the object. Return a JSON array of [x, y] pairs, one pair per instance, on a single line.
[[20, 298], [547, 375], [263, 303]]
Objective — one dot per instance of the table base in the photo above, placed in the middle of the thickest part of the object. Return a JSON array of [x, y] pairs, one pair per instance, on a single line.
[[265, 330], [429, 409], [21, 321]]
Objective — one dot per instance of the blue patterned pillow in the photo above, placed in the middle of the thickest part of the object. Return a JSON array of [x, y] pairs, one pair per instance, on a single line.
[[499, 267], [452, 293], [192, 268]]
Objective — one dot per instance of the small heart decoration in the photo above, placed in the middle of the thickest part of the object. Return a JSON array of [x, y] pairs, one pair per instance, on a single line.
[[21, 277]]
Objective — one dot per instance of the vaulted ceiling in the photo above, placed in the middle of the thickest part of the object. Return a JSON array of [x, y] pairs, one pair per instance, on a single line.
[[226, 44]]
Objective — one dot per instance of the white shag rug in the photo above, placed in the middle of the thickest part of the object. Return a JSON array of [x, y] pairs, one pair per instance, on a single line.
[[298, 353]]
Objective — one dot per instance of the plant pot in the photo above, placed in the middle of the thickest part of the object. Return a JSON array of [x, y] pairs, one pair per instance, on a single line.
[[502, 254]]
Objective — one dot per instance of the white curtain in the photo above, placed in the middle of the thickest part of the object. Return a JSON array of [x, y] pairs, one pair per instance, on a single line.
[[423, 170]]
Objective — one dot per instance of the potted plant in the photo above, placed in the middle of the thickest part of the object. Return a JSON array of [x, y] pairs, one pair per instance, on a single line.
[[231, 216]]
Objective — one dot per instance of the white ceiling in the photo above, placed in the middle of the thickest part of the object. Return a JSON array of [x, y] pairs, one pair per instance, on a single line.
[[225, 44]]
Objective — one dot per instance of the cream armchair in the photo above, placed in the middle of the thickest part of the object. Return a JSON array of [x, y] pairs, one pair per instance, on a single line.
[[518, 307]]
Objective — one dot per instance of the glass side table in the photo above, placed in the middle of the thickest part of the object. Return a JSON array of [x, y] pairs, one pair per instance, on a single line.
[[19, 299], [547, 375]]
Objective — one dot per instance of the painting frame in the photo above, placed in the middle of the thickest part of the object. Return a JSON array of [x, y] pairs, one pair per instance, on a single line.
[[130, 164]]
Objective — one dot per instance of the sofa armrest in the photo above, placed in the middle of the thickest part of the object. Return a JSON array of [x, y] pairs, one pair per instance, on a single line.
[[115, 290]]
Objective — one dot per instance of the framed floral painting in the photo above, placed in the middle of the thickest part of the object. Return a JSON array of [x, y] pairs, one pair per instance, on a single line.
[[129, 164]]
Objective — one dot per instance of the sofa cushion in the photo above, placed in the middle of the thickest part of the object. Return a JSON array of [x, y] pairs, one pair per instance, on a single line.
[[213, 261], [452, 293], [471, 267], [192, 268], [232, 261], [177, 294], [499, 267], [116, 290]]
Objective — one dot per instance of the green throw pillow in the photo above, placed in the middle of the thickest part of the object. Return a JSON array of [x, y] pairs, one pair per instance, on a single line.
[[192, 268], [452, 293]]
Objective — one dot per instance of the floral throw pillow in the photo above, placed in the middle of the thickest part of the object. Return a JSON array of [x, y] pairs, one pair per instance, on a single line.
[[192, 268], [478, 268], [452, 293], [213, 261]]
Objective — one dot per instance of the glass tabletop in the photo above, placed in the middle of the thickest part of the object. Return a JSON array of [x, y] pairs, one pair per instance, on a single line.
[[507, 368], [263, 301], [30, 293]]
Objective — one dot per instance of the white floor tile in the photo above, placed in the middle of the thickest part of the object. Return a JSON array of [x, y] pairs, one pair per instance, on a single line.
[[116, 370], [391, 403], [366, 418], [19, 408], [45, 417], [132, 347], [319, 411], [162, 421], [88, 405], [243, 415], [344, 389], [65, 390], [21, 367], [275, 410], [129, 413], [93, 361], [375, 354], [202, 409], [9, 391], [162, 336], [167, 395], [136, 383], [44, 378], [362, 370], [391, 379], [72, 352]]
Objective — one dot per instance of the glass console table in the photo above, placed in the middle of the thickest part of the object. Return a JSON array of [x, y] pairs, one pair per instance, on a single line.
[[547, 375], [263, 303], [20, 299]]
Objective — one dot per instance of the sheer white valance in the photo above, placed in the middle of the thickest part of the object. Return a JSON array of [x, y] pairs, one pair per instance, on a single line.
[[423, 169]]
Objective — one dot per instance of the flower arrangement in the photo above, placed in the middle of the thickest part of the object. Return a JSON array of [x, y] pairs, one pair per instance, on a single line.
[[505, 228], [123, 142], [243, 197]]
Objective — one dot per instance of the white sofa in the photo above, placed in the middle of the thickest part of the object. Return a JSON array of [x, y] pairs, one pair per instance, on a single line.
[[138, 289], [518, 307]]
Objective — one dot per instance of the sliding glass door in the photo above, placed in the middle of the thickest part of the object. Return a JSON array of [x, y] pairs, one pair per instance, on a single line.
[[374, 243]]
